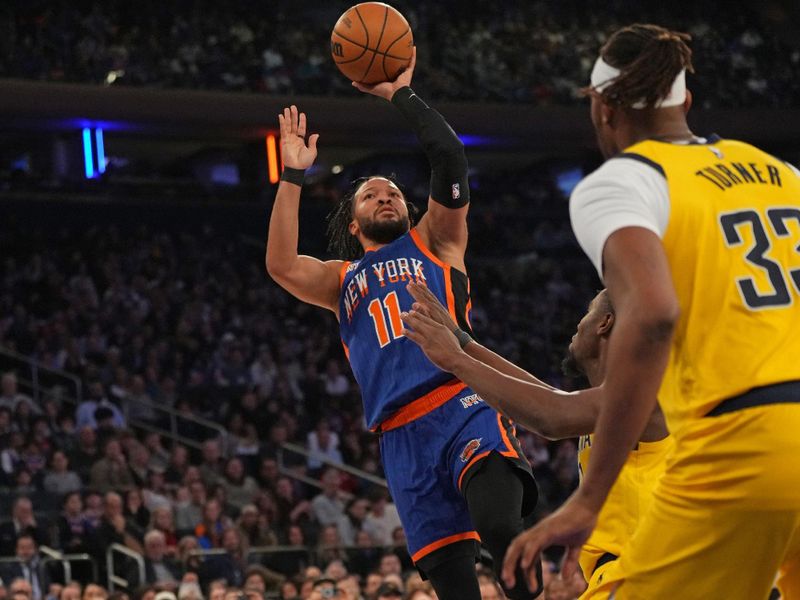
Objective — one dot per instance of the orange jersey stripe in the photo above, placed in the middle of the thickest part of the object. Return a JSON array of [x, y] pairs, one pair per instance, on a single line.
[[511, 451], [469, 535], [345, 264], [423, 405], [425, 250]]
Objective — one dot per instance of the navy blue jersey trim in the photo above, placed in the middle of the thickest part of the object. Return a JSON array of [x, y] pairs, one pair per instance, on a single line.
[[643, 160]]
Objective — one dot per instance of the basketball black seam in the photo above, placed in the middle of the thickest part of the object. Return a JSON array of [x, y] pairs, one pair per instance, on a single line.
[[378, 44], [342, 62], [364, 25], [347, 39], [385, 54]]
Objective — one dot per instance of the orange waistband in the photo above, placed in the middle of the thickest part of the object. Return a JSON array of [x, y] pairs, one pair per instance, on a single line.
[[422, 406]]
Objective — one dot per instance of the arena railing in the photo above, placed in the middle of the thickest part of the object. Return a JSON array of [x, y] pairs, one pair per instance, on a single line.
[[36, 373], [66, 560], [33, 382], [114, 579], [321, 458]]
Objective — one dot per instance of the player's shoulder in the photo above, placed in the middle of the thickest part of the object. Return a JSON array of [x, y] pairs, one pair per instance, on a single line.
[[627, 170]]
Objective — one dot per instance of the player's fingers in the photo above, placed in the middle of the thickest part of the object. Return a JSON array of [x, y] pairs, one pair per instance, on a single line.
[[281, 125], [301, 125], [510, 562], [312, 142], [570, 563], [287, 117], [361, 87], [293, 109], [413, 62]]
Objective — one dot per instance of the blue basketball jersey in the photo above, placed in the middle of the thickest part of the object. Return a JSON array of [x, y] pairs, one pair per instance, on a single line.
[[390, 369]]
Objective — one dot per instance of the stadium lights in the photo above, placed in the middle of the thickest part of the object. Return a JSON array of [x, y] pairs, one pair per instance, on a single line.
[[94, 155], [272, 158]]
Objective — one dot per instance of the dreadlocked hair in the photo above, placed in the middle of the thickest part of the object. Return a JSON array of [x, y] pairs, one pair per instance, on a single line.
[[649, 58], [341, 242]]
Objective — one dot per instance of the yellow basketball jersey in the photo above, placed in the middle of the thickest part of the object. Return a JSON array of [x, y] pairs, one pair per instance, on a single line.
[[629, 498], [733, 244]]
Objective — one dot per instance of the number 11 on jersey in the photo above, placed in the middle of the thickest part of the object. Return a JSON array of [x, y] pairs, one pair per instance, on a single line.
[[377, 310]]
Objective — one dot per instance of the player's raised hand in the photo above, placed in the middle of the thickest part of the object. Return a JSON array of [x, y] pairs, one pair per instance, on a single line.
[[429, 305], [386, 89], [569, 526], [294, 151], [437, 341]]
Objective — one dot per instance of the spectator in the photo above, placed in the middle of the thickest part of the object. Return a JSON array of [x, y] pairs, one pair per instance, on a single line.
[[189, 512], [11, 457], [111, 472], [329, 545], [159, 569], [11, 398], [139, 463], [113, 529], [161, 520], [177, 464], [210, 529], [23, 522], [135, 511], [29, 567], [211, 469], [59, 480], [291, 509], [229, 566], [73, 526], [327, 507], [254, 529], [388, 591], [93, 591], [86, 453], [257, 577], [240, 488], [382, 518], [71, 591], [85, 414], [352, 522], [324, 443], [188, 561]]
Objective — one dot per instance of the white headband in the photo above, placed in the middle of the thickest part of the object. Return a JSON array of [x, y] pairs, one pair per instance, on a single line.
[[603, 75]]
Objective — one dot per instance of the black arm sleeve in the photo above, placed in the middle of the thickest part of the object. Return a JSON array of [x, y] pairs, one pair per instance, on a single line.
[[449, 185]]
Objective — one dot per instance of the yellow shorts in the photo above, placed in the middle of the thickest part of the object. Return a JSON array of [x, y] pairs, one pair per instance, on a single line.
[[596, 590], [725, 517]]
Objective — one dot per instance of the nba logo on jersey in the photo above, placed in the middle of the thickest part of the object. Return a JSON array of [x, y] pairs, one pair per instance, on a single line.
[[456, 191], [470, 449]]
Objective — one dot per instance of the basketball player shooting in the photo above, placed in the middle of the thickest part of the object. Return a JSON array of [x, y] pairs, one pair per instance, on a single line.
[[453, 464]]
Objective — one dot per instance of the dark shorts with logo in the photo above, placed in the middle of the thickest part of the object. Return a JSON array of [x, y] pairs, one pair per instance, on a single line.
[[429, 461]]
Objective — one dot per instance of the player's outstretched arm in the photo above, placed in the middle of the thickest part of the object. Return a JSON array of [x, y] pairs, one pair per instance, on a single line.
[[307, 278], [547, 411], [444, 227], [428, 304]]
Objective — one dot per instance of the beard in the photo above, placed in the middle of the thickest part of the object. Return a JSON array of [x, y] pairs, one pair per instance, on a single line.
[[571, 367], [384, 232]]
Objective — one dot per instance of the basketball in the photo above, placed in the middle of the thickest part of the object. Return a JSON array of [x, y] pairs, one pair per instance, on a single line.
[[371, 43]]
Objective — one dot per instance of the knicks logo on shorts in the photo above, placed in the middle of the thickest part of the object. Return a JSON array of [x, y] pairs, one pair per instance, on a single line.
[[471, 400], [470, 449]]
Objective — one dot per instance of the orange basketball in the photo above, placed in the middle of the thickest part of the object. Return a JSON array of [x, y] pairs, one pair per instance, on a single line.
[[371, 42]]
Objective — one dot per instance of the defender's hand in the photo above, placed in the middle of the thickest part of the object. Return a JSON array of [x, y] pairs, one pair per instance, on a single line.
[[437, 342], [569, 526], [429, 305], [387, 89], [295, 153]]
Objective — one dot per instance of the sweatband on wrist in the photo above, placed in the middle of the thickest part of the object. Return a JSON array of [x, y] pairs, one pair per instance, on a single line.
[[295, 176], [445, 152], [463, 337]]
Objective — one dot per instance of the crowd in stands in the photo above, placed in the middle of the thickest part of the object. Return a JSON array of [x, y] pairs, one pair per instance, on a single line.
[[538, 52], [182, 315]]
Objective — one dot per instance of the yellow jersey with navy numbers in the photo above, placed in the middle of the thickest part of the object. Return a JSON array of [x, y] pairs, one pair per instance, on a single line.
[[628, 500], [733, 244]]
